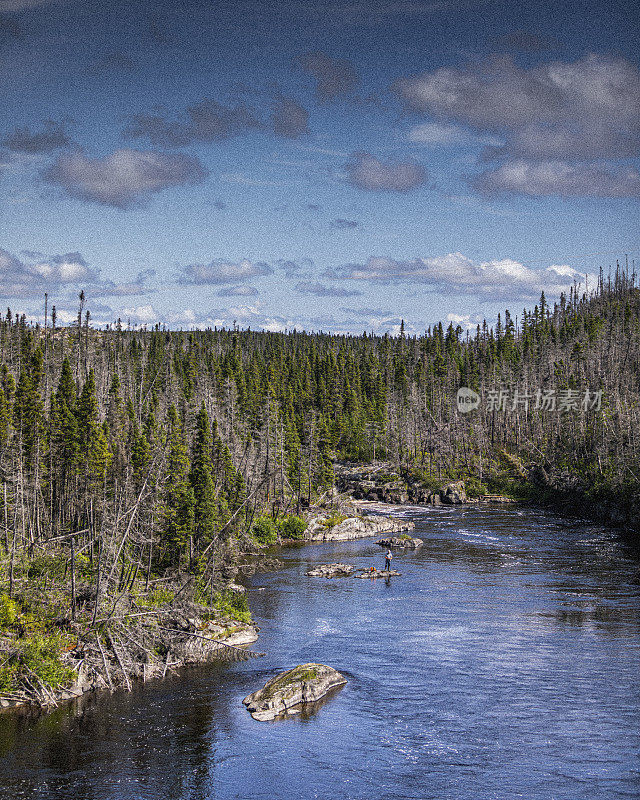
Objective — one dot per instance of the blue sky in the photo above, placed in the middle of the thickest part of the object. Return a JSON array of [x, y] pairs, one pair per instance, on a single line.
[[337, 166]]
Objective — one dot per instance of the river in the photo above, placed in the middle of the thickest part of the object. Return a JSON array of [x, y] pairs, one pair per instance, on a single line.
[[504, 663]]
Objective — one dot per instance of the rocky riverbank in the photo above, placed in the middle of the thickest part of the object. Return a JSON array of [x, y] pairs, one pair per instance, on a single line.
[[137, 646], [378, 483], [324, 528]]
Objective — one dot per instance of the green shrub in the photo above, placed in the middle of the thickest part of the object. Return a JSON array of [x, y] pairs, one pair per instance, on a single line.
[[45, 564], [39, 654], [8, 610], [334, 519], [160, 597], [234, 604], [263, 530], [292, 527], [474, 487]]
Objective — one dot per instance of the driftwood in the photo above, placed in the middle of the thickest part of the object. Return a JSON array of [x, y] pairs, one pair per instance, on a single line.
[[124, 671], [239, 650], [104, 661]]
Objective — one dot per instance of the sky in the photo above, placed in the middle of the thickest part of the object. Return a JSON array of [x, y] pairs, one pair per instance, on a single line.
[[335, 166]]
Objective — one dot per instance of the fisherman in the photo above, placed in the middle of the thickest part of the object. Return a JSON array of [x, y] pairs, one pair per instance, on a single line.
[[387, 560]]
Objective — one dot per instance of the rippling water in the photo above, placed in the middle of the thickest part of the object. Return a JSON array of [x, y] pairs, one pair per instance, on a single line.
[[504, 663]]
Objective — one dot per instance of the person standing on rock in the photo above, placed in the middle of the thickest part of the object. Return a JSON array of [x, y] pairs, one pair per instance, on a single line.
[[387, 561]]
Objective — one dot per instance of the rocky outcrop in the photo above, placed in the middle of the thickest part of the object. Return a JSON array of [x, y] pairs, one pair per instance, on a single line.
[[331, 570], [376, 573], [404, 541], [288, 692], [355, 528], [454, 494], [380, 484]]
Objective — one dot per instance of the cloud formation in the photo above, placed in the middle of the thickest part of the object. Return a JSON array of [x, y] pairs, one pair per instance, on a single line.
[[586, 108], [365, 171], [540, 178], [496, 279], [289, 118], [334, 76], [37, 274], [207, 121], [567, 116], [137, 286], [467, 322], [52, 136], [221, 272], [320, 290], [301, 268], [125, 178]]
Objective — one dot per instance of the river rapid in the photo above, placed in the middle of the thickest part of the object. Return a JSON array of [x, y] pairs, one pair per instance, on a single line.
[[504, 663]]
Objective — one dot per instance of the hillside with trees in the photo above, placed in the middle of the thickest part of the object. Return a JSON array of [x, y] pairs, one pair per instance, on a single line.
[[133, 457]]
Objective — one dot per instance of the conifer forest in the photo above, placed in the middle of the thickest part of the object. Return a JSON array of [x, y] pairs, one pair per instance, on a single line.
[[134, 459]]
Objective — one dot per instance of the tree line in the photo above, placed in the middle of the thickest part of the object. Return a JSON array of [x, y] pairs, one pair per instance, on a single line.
[[151, 450]]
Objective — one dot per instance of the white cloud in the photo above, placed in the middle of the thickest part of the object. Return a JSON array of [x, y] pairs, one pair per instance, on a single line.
[[540, 178], [456, 273], [467, 322], [37, 274], [140, 314], [585, 108], [564, 125]]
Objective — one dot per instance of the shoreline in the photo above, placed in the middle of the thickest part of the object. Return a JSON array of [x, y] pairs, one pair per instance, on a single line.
[[233, 636], [199, 649]]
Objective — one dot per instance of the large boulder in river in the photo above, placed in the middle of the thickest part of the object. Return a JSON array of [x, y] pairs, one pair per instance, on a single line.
[[331, 570], [288, 692], [405, 541]]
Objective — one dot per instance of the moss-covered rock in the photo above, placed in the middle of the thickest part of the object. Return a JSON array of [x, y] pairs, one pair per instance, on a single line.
[[288, 692]]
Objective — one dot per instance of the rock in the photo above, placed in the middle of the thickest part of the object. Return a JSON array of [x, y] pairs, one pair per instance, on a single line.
[[331, 570], [290, 690], [405, 541], [454, 494], [376, 573], [538, 475], [496, 498], [359, 528]]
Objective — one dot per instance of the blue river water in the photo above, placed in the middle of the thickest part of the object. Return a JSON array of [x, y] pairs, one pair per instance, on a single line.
[[504, 663]]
